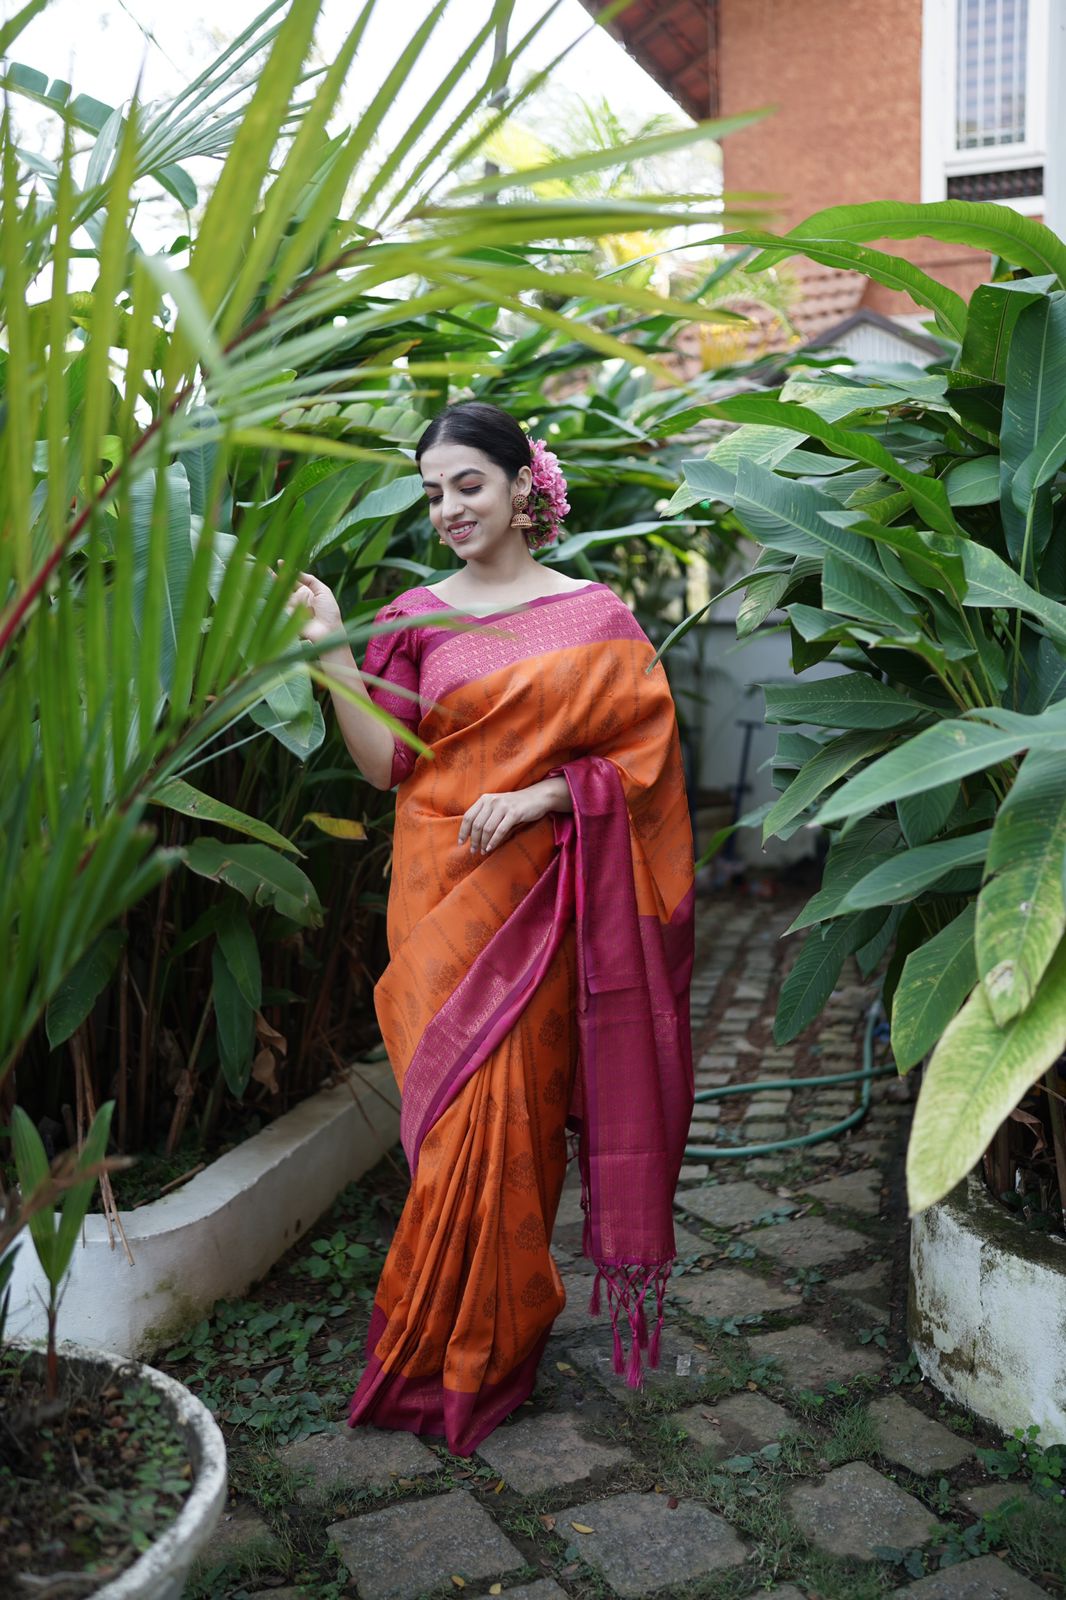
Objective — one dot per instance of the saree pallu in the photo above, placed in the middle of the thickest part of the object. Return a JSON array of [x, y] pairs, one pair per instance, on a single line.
[[539, 987]]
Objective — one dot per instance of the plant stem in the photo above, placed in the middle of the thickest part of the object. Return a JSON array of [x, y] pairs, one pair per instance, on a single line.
[[1058, 1135]]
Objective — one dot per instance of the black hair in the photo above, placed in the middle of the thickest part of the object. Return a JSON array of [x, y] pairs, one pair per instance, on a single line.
[[484, 427]]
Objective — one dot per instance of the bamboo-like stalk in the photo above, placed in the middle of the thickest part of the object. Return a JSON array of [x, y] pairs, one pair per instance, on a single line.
[[187, 1088], [123, 1037], [1058, 1135], [87, 1109], [149, 1018]]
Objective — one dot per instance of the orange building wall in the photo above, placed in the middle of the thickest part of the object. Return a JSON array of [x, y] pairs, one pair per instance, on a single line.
[[845, 76]]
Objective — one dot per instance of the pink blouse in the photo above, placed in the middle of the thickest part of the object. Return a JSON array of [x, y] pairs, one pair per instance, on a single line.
[[397, 658]]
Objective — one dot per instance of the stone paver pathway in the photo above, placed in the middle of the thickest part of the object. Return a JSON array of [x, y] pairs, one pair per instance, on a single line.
[[783, 1448]]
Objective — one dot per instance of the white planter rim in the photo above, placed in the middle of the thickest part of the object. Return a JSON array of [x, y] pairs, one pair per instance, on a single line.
[[172, 1553]]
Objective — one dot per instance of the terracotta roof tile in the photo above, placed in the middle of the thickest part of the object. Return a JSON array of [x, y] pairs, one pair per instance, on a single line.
[[676, 44]]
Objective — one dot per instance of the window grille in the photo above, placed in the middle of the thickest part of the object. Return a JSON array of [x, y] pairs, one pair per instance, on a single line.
[[991, 100]]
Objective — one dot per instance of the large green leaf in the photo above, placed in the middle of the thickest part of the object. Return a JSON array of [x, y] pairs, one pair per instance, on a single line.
[[236, 1024], [828, 765], [237, 943], [817, 967], [1035, 388], [928, 494], [942, 754], [908, 872], [161, 514], [982, 225], [1043, 461], [788, 516], [83, 985], [845, 700], [993, 311], [977, 1075], [867, 597], [258, 873], [851, 856], [974, 482], [893, 271], [177, 795], [921, 816], [991, 582], [1021, 913], [936, 979]]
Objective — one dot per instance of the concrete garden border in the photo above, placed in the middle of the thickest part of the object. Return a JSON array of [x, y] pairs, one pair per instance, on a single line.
[[986, 1311], [219, 1232]]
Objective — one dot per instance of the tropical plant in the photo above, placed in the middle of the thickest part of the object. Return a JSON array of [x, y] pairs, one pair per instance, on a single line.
[[186, 423], [913, 532], [54, 1234]]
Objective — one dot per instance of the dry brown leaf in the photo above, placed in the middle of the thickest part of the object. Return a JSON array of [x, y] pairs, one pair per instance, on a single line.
[[495, 1588], [499, 1487], [460, 1583], [547, 1521], [582, 1527], [563, 1366], [268, 1035], [263, 1070], [751, 1385]]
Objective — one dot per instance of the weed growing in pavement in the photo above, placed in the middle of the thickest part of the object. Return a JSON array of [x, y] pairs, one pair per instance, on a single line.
[[805, 1279], [906, 1372], [958, 1421], [733, 1327], [877, 1336], [852, 1436], [1032, 1533], [347, 1264], [911, 1561], [773, 1214], [1023, 1454]]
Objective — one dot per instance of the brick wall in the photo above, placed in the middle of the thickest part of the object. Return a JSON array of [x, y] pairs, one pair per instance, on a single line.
[[845, 76]]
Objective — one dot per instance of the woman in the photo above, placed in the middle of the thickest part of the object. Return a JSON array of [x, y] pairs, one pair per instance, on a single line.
[[540, 934]]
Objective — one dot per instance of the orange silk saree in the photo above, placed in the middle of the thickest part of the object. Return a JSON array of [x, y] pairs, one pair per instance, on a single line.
[[541, 987]]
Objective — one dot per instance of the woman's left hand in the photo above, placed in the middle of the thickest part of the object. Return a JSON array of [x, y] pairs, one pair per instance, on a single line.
[[494, 817]]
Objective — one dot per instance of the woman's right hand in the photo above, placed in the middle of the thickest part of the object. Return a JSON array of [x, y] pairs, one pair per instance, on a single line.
[[325, 615]]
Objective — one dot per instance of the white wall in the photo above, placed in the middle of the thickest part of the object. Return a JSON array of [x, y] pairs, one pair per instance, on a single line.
[[731, 671]]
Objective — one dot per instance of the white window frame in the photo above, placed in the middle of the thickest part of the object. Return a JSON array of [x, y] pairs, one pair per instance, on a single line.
[[941, 157]]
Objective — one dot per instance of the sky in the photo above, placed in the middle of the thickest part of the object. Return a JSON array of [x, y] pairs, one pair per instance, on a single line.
[[101, 47]]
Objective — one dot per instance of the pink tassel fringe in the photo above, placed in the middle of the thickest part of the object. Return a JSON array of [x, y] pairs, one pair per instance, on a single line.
[[627, 1289]]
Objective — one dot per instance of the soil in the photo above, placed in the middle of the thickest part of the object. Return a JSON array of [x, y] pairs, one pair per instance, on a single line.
[[87, 1481]]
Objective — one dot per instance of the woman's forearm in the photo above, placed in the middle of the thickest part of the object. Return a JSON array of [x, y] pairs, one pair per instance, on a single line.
[[556, 794], [370, 743]]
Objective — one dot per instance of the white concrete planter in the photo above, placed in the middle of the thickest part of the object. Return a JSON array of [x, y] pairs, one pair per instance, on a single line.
[[987, 1311], [220, 1232], [160, 1573]]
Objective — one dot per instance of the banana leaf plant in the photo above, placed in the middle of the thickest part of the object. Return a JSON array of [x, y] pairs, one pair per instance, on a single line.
[[141, 624], [912, 526]]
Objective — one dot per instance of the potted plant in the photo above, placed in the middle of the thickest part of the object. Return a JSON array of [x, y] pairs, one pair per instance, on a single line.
[[913, 533], [110, 1469]]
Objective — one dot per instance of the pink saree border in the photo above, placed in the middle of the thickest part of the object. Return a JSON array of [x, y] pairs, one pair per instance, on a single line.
[[516, 959], [452, 660], [388, 1399]]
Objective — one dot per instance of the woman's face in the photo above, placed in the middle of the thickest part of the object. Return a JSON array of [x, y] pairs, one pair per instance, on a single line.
[[470, 499]]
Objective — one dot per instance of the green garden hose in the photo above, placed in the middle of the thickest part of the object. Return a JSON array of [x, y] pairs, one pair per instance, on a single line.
[[865, 1077]]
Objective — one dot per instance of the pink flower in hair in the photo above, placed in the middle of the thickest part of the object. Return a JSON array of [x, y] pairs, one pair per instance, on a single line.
[[548, 503]]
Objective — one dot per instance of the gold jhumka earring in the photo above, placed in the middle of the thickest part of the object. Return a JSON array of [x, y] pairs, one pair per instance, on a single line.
[[520, 518]]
